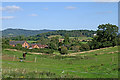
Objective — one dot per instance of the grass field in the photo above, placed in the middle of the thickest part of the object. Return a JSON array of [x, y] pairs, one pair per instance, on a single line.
[[55, 36], [31, 41], [82, 38], [101, 63]]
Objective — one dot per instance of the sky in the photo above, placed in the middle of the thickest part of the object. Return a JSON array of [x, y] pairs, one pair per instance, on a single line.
[[58, 15]]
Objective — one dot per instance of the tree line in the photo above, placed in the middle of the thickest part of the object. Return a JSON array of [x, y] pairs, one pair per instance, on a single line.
[[106, 36], [71, 33]]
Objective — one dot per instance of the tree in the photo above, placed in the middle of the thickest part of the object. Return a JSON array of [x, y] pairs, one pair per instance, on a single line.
[[118, 40], [75, 48], [84, 47], [5, 41], [106, 36], [64, 50], [19, 45], [54, 43], [43, 41], [66, 40], [60, 44], [107, 32], [52, 46]]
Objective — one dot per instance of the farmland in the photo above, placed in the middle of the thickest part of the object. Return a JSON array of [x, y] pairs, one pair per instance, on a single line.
[[82, 38], [31, 41], [100, 63]]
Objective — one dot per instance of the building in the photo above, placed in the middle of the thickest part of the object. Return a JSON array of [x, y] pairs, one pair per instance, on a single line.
[[38, 46], [95, 34], [24, 44], [61, 40]]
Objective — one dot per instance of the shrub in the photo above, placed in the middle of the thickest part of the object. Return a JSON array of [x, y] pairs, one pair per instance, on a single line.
[[84, 47], [63, 50], [75, 48]]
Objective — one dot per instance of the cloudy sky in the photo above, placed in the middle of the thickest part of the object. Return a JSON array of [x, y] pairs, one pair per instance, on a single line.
[[58, 15]]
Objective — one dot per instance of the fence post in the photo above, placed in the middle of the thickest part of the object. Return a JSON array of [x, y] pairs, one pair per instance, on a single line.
[[112, 60], [35, 59], [13, 57]]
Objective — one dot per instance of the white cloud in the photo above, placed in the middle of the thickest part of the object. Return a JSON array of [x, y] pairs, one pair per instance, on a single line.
[[70, 7], [7, 17], [33, 15], [106, 0], [10, 8]]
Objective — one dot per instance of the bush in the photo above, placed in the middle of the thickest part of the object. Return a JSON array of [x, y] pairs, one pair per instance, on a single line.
[[63, 50], [76, 48], [84, 47]]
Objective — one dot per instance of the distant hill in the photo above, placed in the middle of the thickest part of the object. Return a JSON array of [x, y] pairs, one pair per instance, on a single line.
[[70, 33], [17, 32]]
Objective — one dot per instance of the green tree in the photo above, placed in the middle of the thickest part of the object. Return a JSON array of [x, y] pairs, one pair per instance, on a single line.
[[75, 48], [52, 46], [84, 47], [63, 50], [107, 33], [43, 41], [106, 36], [19, 45], [5, 41], [66, 40]]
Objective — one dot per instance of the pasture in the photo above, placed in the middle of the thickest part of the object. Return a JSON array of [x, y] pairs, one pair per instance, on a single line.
[[82, 38], [102, 63], [55, 36], [31, 41]]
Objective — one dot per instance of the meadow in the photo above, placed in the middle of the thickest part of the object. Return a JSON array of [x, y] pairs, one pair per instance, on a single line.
[[31, 41], [82, 38], [102, 63]]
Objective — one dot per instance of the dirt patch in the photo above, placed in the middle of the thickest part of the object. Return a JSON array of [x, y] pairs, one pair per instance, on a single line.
[[23, 51], [13, 50]]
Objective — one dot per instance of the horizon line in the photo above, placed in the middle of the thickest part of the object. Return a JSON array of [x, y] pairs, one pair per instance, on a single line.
[[48, 29]]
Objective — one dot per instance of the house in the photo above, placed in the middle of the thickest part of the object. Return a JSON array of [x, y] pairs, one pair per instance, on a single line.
[[61, 40], [94, 34], [42, 46], [38, 46], [34, 46], [24, 44]]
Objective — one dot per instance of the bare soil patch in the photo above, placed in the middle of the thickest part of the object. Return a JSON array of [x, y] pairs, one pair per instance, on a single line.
[[23, 51]]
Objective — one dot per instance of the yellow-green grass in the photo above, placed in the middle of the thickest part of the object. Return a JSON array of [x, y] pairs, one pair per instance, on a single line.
[[81, 38], [91, 66], [55, 36], [31, 41]]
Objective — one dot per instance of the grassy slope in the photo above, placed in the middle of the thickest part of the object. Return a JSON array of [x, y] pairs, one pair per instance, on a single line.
[[91, 66], [82, 38], [31, 41]]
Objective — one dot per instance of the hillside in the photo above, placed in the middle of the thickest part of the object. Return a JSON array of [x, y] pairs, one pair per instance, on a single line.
[[70, 33], [17, 32], [83, 65]]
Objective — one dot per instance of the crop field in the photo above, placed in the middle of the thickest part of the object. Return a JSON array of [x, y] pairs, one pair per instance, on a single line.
[[100, 63]]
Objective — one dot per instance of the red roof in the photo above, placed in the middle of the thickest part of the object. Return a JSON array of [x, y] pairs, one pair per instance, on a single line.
[[39, 45]]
